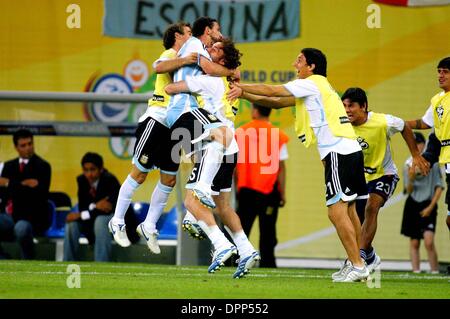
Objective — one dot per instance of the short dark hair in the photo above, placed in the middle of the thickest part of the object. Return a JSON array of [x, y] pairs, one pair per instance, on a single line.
[[419, 137], [357, 95], [93, 158], [232, 55], [263, 110], [444, 63], [21, 133], [199, 25], [316, 57], [169, 34]]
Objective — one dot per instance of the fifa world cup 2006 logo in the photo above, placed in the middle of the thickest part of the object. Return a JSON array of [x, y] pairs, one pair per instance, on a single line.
[[364, 145]]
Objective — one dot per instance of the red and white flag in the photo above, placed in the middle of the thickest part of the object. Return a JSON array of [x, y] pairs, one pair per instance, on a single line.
[[415, 3]]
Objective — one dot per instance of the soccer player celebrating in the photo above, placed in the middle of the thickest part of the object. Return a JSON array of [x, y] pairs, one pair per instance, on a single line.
[[149, 152], [213, 91], [374, 131], [321, 118]]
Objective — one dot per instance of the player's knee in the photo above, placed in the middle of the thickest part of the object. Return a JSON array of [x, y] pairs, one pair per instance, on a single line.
[[138, 176], [220, 207], [228, 136], [168, 180], [222, 135], [372, 210]]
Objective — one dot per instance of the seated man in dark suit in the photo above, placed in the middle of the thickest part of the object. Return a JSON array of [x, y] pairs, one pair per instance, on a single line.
[[25, 183], [97, 196]]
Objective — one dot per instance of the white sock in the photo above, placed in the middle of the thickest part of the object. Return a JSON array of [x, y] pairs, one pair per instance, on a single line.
[[158, 202], [243, 245], [126, 192], [218, 238], [190, 217], [210, 165]]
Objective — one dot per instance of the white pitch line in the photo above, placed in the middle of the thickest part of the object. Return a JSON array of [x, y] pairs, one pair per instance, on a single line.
[[253, 274], [326, 231]]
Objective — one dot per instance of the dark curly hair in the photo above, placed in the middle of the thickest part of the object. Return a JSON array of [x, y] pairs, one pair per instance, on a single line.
[[232, 55]]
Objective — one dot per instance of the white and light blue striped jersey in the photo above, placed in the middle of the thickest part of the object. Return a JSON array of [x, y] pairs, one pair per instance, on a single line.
[[184, 102]]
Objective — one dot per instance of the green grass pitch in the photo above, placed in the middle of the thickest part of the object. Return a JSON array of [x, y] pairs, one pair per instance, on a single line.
[[48, 280]]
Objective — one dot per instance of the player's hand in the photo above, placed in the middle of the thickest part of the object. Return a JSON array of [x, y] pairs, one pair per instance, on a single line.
[[104, 205], [236, 76], [190, 59], [422, 165], [234, 93], [72, 217], [30, 182]]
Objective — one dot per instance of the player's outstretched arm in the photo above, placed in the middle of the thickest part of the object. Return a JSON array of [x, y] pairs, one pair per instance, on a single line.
[[272, 102], [264, 89], [418, 160], [417, 124]]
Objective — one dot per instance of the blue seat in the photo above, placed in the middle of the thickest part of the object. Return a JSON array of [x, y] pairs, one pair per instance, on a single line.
[[59, 206], [167, 223], [140, 209], [58, 215]]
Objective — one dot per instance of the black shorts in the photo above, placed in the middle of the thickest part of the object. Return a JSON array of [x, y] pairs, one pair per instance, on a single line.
[[447, 193], [383, 186], [344, 177], [414, 225], [224, 178], [152, 148], [189, 126]]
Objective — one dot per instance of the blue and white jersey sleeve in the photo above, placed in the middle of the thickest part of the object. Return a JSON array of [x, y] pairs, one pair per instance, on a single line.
[[212, 90], [206, 85], [184, 102], [394, 124], [302, 88], [193, 45]]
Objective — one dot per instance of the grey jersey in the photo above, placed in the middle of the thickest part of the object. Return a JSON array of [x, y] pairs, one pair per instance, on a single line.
[[423, 186]]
